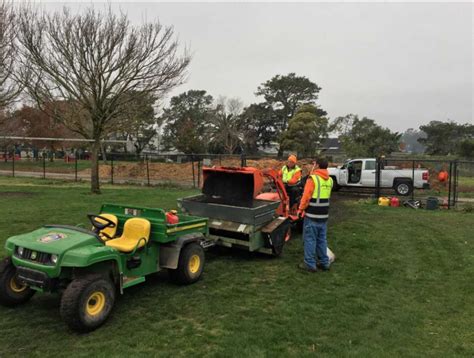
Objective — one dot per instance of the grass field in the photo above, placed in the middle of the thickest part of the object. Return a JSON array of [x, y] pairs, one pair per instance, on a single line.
[[402, 285], [57, 166]]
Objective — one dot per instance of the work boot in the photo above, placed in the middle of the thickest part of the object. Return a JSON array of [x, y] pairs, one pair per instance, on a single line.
[[323, 268], [306, 268]]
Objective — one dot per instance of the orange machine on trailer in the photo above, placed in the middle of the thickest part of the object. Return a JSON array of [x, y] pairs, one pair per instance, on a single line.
[[247, 208]]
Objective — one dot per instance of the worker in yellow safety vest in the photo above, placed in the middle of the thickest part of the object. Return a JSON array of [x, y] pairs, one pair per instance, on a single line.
[[291, 177], [315, 206], [291, 173]]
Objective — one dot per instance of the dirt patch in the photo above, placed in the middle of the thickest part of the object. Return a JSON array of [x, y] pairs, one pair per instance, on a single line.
[[15, 194], [180, 172]]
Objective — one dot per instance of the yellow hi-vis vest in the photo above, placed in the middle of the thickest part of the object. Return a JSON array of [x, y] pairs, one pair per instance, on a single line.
[[288, 174], [318, 208]]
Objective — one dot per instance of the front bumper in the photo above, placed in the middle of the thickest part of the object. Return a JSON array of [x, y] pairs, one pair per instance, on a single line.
[[36, 279]]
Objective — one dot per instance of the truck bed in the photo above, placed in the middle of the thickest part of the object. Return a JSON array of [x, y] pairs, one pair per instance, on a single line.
[[161, 231]]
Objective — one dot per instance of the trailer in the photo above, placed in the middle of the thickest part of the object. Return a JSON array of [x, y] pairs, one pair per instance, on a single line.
[[246, 208]]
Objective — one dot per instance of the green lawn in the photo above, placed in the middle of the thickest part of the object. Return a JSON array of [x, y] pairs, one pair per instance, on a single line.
[[402, 285], [57, 166]]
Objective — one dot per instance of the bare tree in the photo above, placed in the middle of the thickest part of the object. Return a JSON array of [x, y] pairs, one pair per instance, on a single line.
[[96, 62], [9, 88]]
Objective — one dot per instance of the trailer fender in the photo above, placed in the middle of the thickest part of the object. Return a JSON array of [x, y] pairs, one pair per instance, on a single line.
[[275, 234], [169, 253]]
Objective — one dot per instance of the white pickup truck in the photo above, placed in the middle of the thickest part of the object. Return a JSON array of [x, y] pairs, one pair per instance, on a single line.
[[361, 173]]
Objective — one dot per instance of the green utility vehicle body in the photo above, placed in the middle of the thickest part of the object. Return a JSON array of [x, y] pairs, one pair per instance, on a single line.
[[51, 258], [78, 248]]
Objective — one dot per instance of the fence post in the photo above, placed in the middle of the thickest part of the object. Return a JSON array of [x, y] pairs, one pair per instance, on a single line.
[[199, 173], [192, 167], [13, 162], [111, 169], [44, 167], [243, 160], [75, 165], [455, 182], [413, 180], [449, 183], [147, 170], [377, 178]]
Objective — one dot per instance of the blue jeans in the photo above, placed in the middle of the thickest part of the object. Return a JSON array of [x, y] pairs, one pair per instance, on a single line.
[[315, 242]]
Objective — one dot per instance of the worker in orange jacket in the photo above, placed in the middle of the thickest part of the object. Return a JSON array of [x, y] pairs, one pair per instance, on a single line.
[[291, 177], [315, 207]]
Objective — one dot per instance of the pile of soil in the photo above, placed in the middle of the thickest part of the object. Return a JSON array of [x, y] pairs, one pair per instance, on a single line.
[[182, 172]]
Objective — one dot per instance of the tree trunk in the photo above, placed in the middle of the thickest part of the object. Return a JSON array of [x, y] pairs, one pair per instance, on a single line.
[[95, 150], [280, 152]]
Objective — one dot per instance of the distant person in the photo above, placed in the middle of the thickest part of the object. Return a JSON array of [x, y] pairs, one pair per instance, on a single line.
[[315, 207], [291, 177]]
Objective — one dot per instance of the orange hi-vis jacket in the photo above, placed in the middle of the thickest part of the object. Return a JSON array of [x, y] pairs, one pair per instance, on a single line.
[[309, 188]]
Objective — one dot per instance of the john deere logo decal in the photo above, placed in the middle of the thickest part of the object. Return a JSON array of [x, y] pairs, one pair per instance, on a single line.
[[52, 236]]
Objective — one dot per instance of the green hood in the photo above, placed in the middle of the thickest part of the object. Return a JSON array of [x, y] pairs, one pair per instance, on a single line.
[[54, 240]]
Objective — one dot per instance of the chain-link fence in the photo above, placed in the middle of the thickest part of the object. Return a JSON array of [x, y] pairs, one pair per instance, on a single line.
[[434, 183], [123, 168], [449, 182]]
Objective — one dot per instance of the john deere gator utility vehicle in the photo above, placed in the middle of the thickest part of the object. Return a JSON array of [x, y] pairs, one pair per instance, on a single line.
[[89, 266]]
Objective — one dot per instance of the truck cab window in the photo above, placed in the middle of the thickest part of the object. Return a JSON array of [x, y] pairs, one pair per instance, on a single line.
[[369, 165]]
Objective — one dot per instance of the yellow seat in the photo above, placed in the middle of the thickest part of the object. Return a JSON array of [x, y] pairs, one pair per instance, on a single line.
[[136, 233], [109, 232]]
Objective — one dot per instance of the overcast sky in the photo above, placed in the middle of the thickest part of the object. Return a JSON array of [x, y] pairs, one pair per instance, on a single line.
[[400, 64]]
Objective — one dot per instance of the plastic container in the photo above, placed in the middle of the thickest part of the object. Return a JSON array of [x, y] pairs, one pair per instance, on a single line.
[[432, 203], [395, 202], [172, 217], [443, 176], [383, 201]]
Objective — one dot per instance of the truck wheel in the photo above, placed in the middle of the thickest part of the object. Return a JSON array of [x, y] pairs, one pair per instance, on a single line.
[[12, 291], [87, 302], [403, 187], [190, 265]]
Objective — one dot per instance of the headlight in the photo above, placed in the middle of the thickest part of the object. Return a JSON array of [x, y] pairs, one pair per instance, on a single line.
[[54, 259], [20, 251]]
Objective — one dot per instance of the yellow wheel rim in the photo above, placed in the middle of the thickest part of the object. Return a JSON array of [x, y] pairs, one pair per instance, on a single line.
[[194, 263], [95, 303], [17, 287]]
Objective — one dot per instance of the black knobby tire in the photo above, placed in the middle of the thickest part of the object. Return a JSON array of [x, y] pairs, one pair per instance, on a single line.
[[12, 291], [403, 187], [187, 273], [82, 294]]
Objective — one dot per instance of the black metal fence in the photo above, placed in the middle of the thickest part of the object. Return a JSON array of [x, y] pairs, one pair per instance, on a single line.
[[365, 178], [447, 182], [118, 168]]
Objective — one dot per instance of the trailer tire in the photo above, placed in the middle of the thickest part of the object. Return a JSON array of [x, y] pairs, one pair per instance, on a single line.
[[190, 265], [12, 292], [87, 302], [403, 187]]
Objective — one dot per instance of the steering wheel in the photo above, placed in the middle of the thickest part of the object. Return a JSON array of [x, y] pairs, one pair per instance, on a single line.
[[99, 226]]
